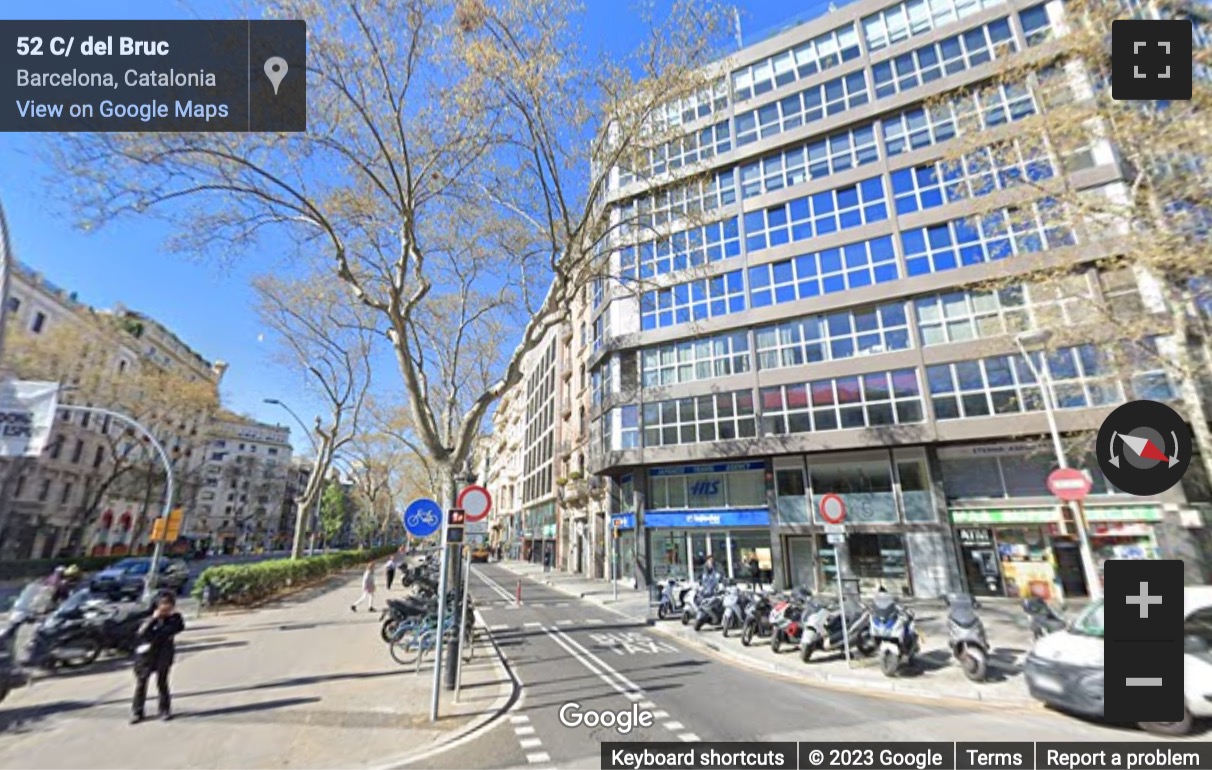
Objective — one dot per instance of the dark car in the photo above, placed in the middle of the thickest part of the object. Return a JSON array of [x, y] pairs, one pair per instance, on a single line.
[[125, 579]]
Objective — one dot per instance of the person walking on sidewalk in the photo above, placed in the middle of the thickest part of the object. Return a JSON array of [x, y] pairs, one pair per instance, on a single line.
[[154, 654], [368, 589], [547, 560], [390, 567]]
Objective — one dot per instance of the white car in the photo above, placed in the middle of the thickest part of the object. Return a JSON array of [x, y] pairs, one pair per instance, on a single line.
[[1065, 669]]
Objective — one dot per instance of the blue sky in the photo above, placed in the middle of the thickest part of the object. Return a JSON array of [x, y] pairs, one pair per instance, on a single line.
[[208, 306]]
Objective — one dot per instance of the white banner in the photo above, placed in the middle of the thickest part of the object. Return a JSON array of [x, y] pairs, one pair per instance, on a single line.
[[27, 411]]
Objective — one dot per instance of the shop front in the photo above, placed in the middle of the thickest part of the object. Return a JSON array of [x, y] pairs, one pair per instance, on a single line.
[[539, 527], [1009, 551], [622, 554], [1123, 532], [714, 510]]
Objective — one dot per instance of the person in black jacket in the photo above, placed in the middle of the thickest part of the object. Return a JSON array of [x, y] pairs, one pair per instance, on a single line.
[[155, 654]]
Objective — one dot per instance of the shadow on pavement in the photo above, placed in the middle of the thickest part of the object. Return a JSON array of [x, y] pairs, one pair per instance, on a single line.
[[246, 708], [299, 681], [210, 646], [19, 720]]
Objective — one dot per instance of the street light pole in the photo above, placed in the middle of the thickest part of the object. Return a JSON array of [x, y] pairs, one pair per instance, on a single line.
[[1044, 378], [6, 268]]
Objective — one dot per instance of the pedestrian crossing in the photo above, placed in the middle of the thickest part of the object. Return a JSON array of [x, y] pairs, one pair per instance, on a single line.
[[498, 628]]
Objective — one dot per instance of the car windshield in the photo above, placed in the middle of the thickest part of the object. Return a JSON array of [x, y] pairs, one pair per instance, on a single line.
[[133, 566], [1090, 621]]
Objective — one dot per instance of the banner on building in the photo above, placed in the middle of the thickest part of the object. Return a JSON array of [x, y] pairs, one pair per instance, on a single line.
[[27, 411]]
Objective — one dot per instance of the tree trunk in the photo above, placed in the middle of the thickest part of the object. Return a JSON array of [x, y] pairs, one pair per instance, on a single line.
[[1188, 386]]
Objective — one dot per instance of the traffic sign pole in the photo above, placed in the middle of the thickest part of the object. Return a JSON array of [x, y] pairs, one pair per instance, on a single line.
[[437, 656], [833, 511]]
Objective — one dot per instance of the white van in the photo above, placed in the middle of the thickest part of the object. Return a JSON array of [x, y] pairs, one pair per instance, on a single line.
[[1065, 669]]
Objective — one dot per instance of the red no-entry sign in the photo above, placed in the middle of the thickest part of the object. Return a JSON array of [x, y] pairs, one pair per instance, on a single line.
[[833, 509], [476, 502], [1069, 484]]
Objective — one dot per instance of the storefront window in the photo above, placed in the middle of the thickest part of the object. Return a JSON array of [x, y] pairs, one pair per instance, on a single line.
[[877, 560], [1026, 475], [669, 555], [865, 487], [915, 490], [750, 550], [965, 477], [735, 489], [747, 489], [791, 496]]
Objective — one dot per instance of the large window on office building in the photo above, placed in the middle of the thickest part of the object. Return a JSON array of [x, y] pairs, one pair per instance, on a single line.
[[860, 401], [838, 152], [701, 359], [717, 417], [825, 272], [714, 489], [917, 17], [845, 334]]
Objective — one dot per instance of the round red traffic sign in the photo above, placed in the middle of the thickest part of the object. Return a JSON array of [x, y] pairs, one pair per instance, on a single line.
[[475, 502], [833, 509], [1069, 484]]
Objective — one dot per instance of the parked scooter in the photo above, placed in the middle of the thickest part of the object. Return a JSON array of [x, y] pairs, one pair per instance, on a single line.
[[823, 628], [967, 637], [736, 601], [757, 618], [786, 617], [711, 608], [690, 604], [894, 629], [35, 599], [1044, 619], [673, 597]]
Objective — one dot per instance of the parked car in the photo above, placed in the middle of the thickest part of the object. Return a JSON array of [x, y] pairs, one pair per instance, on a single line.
[[1065, 669], [125, 579]]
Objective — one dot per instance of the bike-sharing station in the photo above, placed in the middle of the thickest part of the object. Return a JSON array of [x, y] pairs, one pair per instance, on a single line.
[[457, 527]]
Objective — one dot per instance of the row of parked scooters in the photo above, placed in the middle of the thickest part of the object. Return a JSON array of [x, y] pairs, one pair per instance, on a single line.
[[71, 634], [797, 619], [409, 624]]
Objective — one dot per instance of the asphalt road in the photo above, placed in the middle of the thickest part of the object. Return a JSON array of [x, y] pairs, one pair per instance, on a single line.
[[565, 650]]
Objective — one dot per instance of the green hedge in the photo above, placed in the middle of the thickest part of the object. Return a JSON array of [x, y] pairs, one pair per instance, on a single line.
[[36, 568], [247, 583]]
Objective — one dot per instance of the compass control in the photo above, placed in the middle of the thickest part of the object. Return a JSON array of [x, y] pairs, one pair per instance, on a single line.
[[1144, 448]]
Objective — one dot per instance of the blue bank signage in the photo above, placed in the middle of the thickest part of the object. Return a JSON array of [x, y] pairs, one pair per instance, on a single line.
[[623, 521], [732, 517], [686, 470]]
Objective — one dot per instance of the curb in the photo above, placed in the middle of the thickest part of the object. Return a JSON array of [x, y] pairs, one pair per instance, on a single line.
[[503, 704], [846, 680]]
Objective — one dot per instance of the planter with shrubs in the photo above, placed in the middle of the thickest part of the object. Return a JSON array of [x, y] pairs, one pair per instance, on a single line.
[[243, 584]]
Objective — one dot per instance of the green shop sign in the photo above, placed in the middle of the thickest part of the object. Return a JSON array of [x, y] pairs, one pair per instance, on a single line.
[[1124, 513], [1005, 515]]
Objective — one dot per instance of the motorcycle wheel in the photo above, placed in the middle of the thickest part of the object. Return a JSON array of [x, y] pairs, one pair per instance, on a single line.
[[807, 645], [663, 611], [88, 650], [698, 622], [867, 645], [685, 618], [727, 626], [890, 662], [747, 634], [776, 642], [975, 663], [388, 630]]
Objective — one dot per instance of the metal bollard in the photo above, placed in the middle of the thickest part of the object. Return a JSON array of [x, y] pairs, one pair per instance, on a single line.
[[517, 596]]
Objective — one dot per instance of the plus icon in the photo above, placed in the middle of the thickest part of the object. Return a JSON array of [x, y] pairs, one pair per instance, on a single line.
[[1151, 59], [1143, 600]]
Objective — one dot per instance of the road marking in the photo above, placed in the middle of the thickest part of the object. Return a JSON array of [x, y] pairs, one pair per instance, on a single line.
[[561, 605], [495, 586], [532, 625], [630, 690], [519, 720], [530, 743], [632, 643], [538, 757], [689, 738], [660, 714], [673, 727], [596, 621], [563, 622], [499, 627], [583, 656], [524, 730], [647, 705]]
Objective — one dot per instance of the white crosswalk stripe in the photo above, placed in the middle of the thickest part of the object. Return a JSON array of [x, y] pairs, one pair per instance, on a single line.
[[538, 757]]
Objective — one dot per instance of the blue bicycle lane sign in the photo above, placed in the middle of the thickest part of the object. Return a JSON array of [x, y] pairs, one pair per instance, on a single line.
[[422, 517]]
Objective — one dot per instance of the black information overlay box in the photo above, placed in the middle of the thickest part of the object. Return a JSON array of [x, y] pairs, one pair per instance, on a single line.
[[1151, 59], [153, 76], [1143, 641]]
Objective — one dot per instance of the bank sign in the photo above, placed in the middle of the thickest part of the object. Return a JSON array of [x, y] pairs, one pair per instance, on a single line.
[[27, 411], [731, 517]]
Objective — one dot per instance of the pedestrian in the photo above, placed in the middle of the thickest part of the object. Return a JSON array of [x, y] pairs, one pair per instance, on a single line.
[[547, 560], [368, 589], [391, 570], [154, 653]]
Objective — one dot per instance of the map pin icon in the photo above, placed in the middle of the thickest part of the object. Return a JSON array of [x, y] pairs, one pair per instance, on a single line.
[[275, 70]]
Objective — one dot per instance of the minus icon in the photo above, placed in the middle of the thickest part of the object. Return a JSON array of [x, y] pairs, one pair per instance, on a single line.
[[1143, 681]]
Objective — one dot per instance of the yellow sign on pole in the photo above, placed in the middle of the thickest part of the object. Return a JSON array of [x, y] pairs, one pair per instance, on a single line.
[[175, 518], [157, 532]]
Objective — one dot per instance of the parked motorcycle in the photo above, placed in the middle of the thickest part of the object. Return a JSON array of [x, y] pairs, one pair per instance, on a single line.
[[894, 629], [674, 594], [1044, 619], [711, 609], [83, 627], [36, 598], [757, 618], [690, 604], [823, 628], [786, 617], [736, 602], [966, 636]]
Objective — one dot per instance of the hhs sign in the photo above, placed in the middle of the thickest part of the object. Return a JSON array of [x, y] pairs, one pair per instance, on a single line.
[[705, 488]]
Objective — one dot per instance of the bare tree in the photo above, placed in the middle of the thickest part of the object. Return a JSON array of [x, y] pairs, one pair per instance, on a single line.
[[322, 335], [455, 176]]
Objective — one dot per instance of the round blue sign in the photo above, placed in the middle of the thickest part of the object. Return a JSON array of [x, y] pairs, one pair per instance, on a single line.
[[422, 517]]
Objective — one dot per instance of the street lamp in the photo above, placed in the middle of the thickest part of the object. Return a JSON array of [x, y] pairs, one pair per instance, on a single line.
[[311, 545], [1039, 339]]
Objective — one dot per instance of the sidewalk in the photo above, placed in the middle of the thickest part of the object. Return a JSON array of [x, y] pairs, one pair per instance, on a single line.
[[302, 682], [937, 675]]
